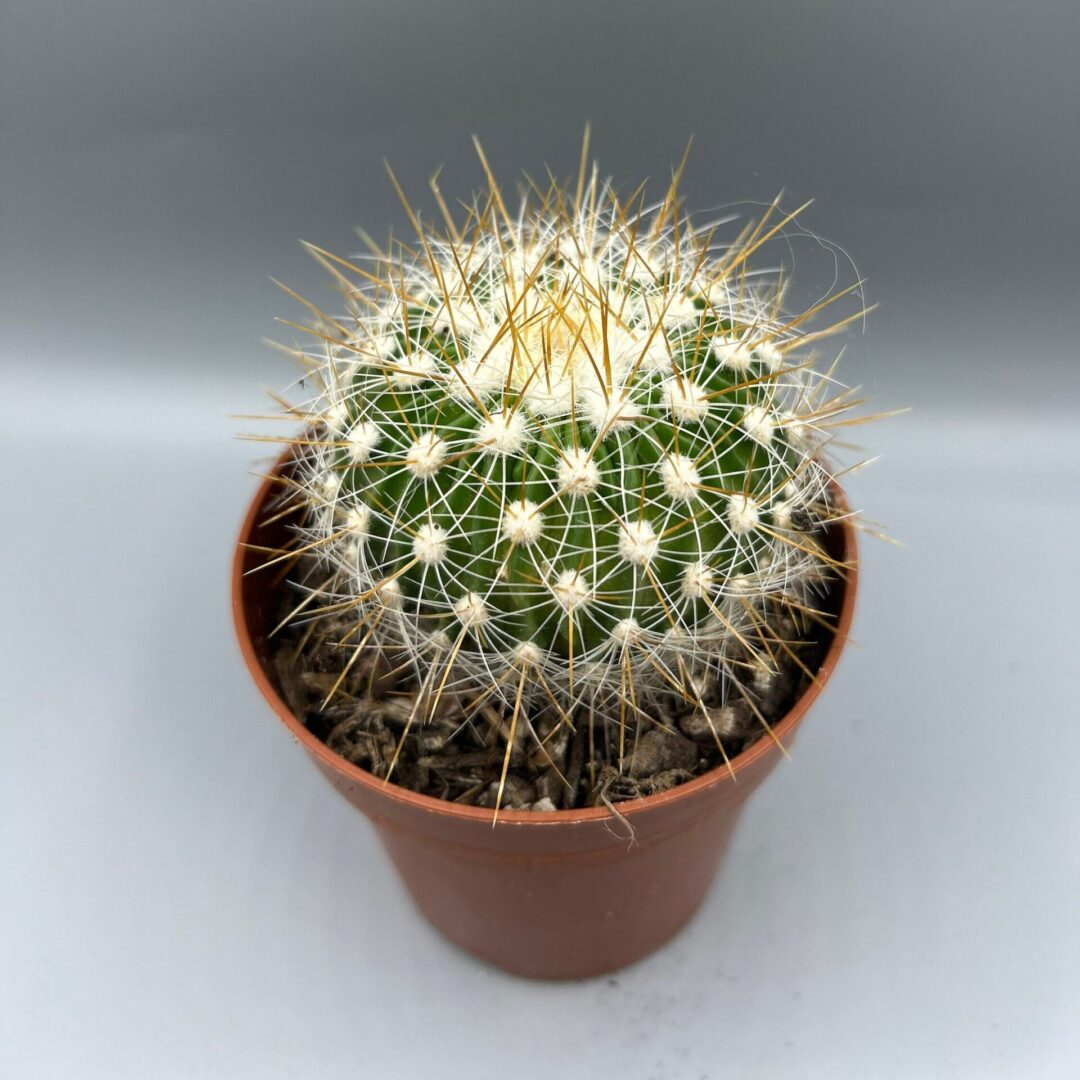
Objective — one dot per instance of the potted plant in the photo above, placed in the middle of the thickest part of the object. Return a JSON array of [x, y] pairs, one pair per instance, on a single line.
[[554, 561]]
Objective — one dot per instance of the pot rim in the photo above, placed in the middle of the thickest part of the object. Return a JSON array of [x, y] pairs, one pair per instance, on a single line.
[[721, 774]]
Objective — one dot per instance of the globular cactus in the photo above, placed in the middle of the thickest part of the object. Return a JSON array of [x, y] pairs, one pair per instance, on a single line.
[[567, 455]]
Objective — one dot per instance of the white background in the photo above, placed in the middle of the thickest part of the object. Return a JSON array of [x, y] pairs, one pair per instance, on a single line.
[[181, 894], [184, 896]]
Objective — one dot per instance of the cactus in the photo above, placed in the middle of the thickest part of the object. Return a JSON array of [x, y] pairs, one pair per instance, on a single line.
[[567, 455]]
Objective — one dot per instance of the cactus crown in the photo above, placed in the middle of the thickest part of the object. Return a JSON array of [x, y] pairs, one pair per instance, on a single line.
[[567, 455]]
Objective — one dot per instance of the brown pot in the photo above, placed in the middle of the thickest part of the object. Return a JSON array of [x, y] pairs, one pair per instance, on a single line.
[[563, 894]]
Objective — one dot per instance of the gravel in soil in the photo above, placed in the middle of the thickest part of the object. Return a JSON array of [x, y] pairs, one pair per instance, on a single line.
[[458, 757]]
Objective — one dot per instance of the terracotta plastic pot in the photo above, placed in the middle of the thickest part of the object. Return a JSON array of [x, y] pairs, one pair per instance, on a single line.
[[564, 894]]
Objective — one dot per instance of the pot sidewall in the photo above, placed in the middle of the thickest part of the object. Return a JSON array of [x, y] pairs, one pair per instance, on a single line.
[[561, 894]]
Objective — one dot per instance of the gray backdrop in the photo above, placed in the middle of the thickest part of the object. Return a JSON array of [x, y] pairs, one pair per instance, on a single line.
[[900, 901]]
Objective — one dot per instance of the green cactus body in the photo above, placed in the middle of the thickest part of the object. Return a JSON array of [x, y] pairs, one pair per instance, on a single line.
[[562, 453]]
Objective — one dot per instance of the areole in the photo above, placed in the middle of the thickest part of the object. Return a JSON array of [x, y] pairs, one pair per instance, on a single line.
[[562, 894]]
